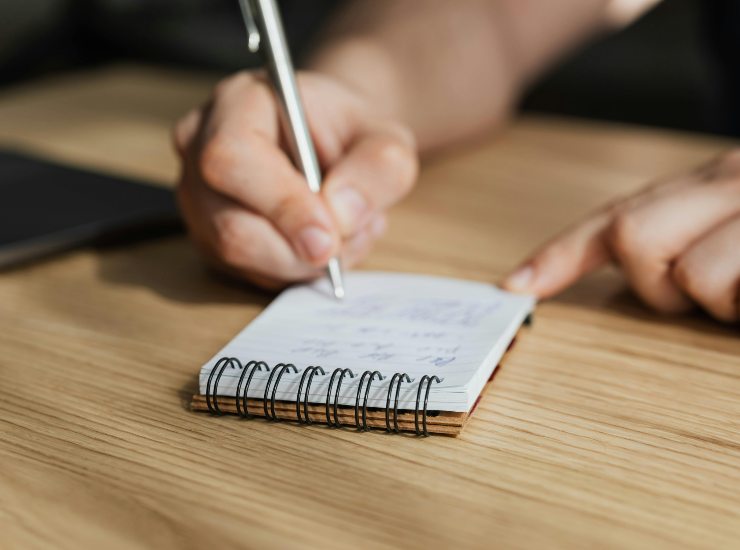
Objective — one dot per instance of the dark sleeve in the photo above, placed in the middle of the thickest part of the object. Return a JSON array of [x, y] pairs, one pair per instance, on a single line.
[[722, 33], [196, 33], [33, 36], [37, 36]]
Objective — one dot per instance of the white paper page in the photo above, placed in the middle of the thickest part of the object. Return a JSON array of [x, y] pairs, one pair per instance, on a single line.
[[389, 322]]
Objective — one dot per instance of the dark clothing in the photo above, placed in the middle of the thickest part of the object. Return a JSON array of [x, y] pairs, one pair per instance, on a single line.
[[679, 66], [722, 30], [41, 35]]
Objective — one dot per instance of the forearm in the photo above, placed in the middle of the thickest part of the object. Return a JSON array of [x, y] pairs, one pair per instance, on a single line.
[[450, 69]]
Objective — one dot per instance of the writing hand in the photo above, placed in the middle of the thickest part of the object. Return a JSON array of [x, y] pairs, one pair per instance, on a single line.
[[250, 210]]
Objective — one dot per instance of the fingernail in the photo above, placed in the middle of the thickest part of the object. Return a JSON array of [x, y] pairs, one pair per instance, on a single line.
[[521, 279], [315, 242], [349, 206]]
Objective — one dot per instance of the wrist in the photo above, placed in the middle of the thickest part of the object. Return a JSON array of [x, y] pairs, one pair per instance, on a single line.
[[363, 65]]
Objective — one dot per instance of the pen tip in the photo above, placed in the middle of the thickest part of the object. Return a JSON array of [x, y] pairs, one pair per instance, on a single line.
[[339, 293], [335, 276]]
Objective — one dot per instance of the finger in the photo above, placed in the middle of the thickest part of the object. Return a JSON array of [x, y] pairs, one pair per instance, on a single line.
[[562, 261], [242, 240], [333, 114], [244, 100], [612, 233], [647, 238], [580, 249], [709, 271], [186, 130], [379, 168], [353, 251], [249, 168], [240, 158], [249, 243]]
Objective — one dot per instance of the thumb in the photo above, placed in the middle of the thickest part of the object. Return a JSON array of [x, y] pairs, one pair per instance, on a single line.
[[562, 261], [378, 169]]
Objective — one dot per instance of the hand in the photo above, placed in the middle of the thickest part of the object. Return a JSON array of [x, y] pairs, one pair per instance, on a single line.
[[250, 210], [677, 241]]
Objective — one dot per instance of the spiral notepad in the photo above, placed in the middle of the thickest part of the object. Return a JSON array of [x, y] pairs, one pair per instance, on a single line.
[[401, 353]]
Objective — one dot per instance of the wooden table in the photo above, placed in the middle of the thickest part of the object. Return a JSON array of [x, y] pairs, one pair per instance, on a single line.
[[609, 426]]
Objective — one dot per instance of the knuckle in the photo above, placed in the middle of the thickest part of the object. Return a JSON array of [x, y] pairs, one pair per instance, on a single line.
[[222, 88], [702, 285], [731, 187], [401, 160], [731, 160], [181, 132], [693, 279], [553, 256], [552, 253], [687, 275], [624, 235], [730, 183], [304, 78], [288, 207], [215, 158], [237, 80], [723, 170]]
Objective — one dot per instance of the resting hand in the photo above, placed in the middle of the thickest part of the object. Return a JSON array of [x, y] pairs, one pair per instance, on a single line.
[[250, 210], [677, 241]]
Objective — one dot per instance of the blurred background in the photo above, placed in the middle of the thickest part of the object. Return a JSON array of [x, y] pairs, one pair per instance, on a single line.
[[671, 68]]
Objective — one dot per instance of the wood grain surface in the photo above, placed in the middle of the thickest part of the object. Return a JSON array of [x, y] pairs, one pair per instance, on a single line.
[[608, 427]]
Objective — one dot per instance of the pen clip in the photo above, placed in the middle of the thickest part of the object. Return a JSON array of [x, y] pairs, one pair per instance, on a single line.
[[253, 33]]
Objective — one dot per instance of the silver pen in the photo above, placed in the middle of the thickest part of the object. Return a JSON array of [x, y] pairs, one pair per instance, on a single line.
[[265, 33]]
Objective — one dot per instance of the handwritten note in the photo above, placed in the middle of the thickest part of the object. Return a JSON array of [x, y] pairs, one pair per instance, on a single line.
[[391, 323]]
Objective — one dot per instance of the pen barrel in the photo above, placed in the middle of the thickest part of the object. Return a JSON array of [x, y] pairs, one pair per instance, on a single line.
[[273, 44], [275, 47]]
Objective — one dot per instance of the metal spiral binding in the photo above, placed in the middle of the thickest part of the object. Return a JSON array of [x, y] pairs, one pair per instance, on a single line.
[[428, 379], [371, 375], [309, 373], [342, 373], [279, 369], [212, 396], [398, 379], [332, 409], [242, 408]]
